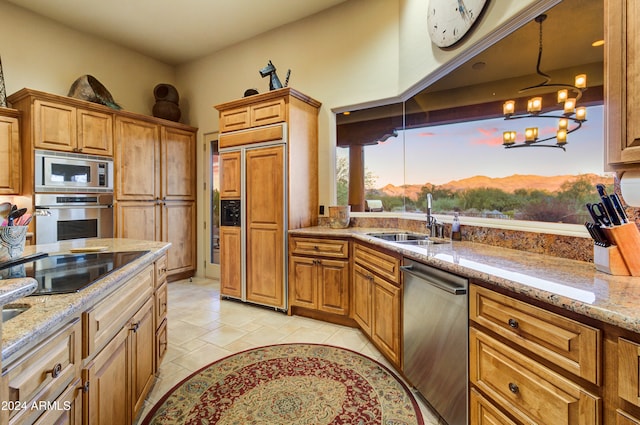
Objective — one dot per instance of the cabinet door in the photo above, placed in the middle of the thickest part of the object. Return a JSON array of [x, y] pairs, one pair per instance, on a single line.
[[95, 133], [137, 220], [483, 412], [10, 166], [385, 330], [178, 227], [108, 400], [54, 126], [302, 282], [68, 408], [362, 284], [178, 164], [230, 175], [137, 159], [142, 334], [629, 371], [333, 286], [265, 225], [230, 261], [622, 114]]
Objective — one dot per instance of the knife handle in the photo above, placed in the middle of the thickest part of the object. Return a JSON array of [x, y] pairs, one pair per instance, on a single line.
[[618, 206]]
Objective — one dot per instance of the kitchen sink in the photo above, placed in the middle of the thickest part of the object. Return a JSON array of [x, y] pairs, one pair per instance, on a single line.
[[10, 311], [422, 242], [407, 238], [397, 237]]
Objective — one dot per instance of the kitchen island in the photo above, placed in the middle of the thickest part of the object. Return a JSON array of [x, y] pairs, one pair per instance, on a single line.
[[89, 349]]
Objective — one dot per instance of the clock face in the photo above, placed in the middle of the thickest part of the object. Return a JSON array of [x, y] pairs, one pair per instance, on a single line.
[[449, 20]]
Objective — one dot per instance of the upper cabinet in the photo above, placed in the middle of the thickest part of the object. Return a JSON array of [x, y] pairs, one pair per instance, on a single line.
[[65, 124], [622, 69], [9, 152]]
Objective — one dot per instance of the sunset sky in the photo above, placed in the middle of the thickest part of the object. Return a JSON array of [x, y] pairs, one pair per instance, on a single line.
[[451, 152]]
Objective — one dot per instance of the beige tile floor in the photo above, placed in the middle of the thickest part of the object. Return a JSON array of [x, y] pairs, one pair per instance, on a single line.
[[202, 329]]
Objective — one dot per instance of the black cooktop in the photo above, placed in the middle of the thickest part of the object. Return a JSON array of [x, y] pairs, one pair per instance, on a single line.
[[67, 273]]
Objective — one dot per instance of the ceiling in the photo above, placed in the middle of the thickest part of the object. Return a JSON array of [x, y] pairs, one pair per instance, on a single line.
[[175, 32]]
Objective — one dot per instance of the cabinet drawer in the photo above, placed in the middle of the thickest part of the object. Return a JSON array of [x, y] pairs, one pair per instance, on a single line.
[[44, 373], [161, 271], [571, 345], [483, 412], [235, 119], [629, 371], [161, 343], [529, 391], [378, 262], [161, 304], [105, 320], [319, 247], [270, 112], [623, 418], [67, 409], [248, 137]]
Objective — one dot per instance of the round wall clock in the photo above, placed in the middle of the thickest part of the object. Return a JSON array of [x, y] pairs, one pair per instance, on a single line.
[[449, 20]]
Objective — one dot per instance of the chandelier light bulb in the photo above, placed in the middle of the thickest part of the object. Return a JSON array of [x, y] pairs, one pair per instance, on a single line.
[[563, 124], [509, 107], [570, 105], [581, 81], [581, 113], [534, 104], [531, 134], [561, 137], [562, 95], [508, 138]]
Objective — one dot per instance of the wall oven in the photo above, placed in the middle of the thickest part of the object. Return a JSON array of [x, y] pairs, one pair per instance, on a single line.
[[62, 216], [72, 172]]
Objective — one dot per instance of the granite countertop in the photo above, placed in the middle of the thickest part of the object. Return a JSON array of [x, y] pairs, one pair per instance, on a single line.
[[46, 313], [572, 285]]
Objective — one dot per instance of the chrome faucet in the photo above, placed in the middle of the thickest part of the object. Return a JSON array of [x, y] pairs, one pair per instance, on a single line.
[[434, 229]]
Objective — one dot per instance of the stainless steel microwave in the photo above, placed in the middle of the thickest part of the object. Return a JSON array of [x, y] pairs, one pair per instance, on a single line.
[[72, 172]]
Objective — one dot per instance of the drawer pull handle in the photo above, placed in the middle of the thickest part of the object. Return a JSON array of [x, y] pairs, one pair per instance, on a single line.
[[513, 388], [55, 372], [513, 323], [135, 327]]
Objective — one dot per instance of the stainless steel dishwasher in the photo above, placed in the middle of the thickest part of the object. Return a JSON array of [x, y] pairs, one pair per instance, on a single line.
[[436, 343]]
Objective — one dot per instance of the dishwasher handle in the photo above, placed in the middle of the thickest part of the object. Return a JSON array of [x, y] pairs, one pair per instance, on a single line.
[[445, 286]]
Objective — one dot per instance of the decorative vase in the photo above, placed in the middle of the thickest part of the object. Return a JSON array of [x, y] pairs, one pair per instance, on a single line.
[[12, 240], [166, 105], [339, 216]]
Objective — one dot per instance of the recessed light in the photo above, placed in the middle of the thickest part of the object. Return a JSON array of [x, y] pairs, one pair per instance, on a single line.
[[598, 43], [478, 65], [346, 113]]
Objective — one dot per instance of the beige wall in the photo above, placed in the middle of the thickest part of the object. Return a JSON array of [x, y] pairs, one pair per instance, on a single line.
[[43, 55]]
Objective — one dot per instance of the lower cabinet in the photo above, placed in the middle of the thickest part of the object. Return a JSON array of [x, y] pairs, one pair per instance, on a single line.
[[46, 375], [319, 275], [483, 412], [376, 303]]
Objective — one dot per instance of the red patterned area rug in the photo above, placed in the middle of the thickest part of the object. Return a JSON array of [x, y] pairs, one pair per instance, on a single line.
[[290, 384]]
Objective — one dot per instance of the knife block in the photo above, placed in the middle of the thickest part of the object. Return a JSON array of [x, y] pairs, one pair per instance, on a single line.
[[627, 239], [609, 260]]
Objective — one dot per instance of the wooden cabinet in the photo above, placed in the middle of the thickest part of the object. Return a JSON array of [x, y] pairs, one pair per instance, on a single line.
[[622, 65], [231, 257], [10, 178], [45, 374], [483, 412], [525, 388], [120, 348], [230, 169], [319, 275], [269, 160], [532, 364], [155, 188], [161, 304], [377, 299], [64, 124], [571, 345]]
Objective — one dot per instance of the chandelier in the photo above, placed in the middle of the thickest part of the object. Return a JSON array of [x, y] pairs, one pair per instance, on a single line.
[[569, 120]]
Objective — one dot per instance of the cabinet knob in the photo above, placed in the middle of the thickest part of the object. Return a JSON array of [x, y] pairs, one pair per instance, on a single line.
[[135, 327], [55, 372], [513, 323], [513, 388], [85, 387], [316, 247]]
